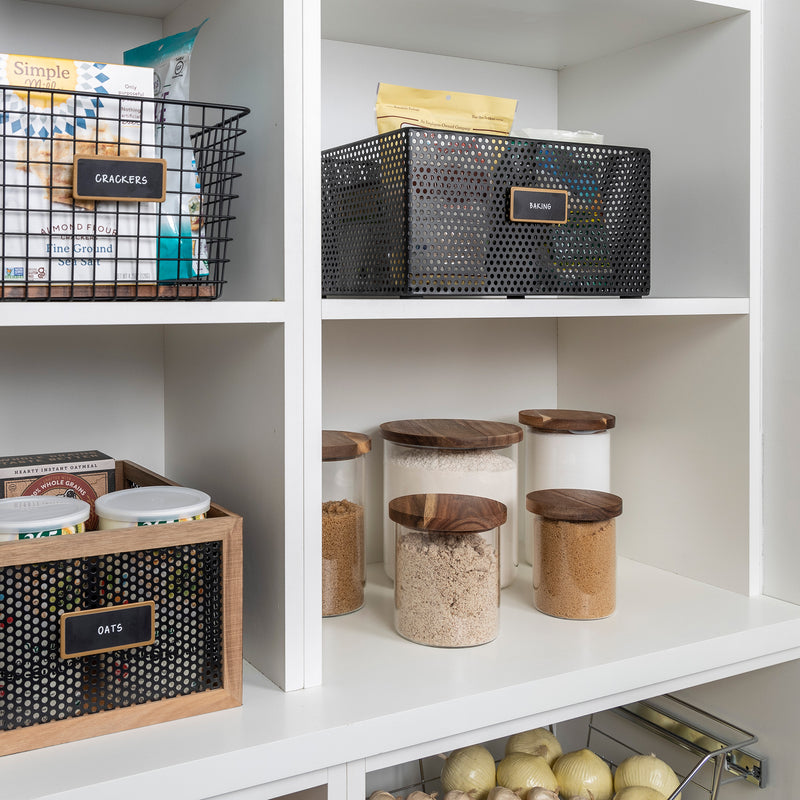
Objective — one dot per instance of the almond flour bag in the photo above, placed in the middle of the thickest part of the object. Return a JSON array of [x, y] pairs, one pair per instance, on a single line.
[[181, 245], [402, 107], [49, 235]]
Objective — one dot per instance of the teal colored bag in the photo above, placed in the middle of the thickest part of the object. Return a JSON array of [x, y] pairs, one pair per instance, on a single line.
[[182, 249]]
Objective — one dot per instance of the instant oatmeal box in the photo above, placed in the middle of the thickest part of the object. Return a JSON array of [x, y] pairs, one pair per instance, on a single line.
[[50, 236]]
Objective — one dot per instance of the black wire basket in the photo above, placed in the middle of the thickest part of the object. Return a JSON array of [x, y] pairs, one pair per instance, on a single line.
[[114, 197], [419, 212]]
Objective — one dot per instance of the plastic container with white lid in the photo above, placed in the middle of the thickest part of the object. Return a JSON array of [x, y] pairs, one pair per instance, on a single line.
[[150, 505], [41, 516]]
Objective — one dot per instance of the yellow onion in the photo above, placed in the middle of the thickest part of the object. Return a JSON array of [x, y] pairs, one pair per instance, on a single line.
[[522, 771], [646, 770], [582, 773], [639, 793], [469, 769], [538, 742]]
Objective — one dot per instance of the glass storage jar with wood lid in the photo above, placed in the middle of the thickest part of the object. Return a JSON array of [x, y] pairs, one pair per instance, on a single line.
[[447, 576], [574, 552], [343, 567], [565, 448], [453, 456]]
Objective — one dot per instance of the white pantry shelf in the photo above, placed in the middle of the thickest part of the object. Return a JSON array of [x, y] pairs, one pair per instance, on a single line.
[[529, 307], [34, 314], [538, 670]]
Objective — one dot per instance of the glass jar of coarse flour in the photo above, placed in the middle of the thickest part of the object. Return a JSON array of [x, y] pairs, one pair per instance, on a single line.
[[343, 560], [454, 456], [447, 568], [565, 449]]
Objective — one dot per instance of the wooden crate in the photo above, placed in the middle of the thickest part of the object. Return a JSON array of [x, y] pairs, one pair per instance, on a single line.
[[192, 574]]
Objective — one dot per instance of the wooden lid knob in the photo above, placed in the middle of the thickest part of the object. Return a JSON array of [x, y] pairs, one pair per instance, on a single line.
[[342, 445], [447, 513], [563, 420], [574, 505], [452, 434]]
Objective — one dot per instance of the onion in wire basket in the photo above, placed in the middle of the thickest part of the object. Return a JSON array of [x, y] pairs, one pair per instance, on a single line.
[[582, 773], [469, 769], [538, 742], [522, 771], [646, 770]]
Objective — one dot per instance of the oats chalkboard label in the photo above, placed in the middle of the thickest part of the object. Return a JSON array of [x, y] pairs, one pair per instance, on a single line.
[[101, 630], [119, 178], [538, 205]]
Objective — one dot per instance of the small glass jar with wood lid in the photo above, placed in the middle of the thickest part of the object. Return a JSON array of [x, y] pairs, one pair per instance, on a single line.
[[343, 567], [565, 449], [574, 552], [454, 456], [447, 568]]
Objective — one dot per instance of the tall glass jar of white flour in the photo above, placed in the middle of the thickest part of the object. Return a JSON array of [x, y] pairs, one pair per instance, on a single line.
[[565, 449], [453, 456]]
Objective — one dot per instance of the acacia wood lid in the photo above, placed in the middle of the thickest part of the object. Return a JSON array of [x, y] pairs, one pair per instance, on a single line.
[[452, 434], [447, 513], [564, 420], [343, 445], [574, 505]]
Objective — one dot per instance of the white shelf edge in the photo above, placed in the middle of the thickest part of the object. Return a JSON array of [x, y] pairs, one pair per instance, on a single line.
[[440, 698], [529, 307], [223, 312]]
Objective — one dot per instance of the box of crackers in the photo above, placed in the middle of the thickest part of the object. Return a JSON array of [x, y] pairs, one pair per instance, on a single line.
[[85, 474], [54, 110]]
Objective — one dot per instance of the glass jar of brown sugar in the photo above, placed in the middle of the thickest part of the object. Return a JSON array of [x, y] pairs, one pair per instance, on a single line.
[[447, 568], [574, 552], [343, 567]]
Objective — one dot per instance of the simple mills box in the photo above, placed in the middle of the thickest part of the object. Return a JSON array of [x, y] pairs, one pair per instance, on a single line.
[[50, 234], [85, 474]]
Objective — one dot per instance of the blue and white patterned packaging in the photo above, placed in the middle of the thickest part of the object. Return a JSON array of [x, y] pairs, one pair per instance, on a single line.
[[48, 234]]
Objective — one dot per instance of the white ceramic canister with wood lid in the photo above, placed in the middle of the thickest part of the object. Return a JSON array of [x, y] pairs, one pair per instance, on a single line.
[[454, 456], [565, 449]]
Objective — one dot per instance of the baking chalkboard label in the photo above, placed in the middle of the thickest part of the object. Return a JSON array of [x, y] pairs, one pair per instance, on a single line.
[[538, 205], [100, 630], [119, 178]]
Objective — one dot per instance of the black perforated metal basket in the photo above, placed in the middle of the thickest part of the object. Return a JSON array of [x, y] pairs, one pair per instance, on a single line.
[[428, 212]]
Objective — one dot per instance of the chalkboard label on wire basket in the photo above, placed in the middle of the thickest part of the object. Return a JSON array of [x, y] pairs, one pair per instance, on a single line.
[[119, 178]]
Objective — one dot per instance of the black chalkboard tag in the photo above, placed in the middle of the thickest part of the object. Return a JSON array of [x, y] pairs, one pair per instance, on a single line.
[[119, 178], [101, 630], [538, 205]]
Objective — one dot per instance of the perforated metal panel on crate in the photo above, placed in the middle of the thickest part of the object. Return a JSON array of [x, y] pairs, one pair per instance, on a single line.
[[58, 245], [37, 686], [427, 212]]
